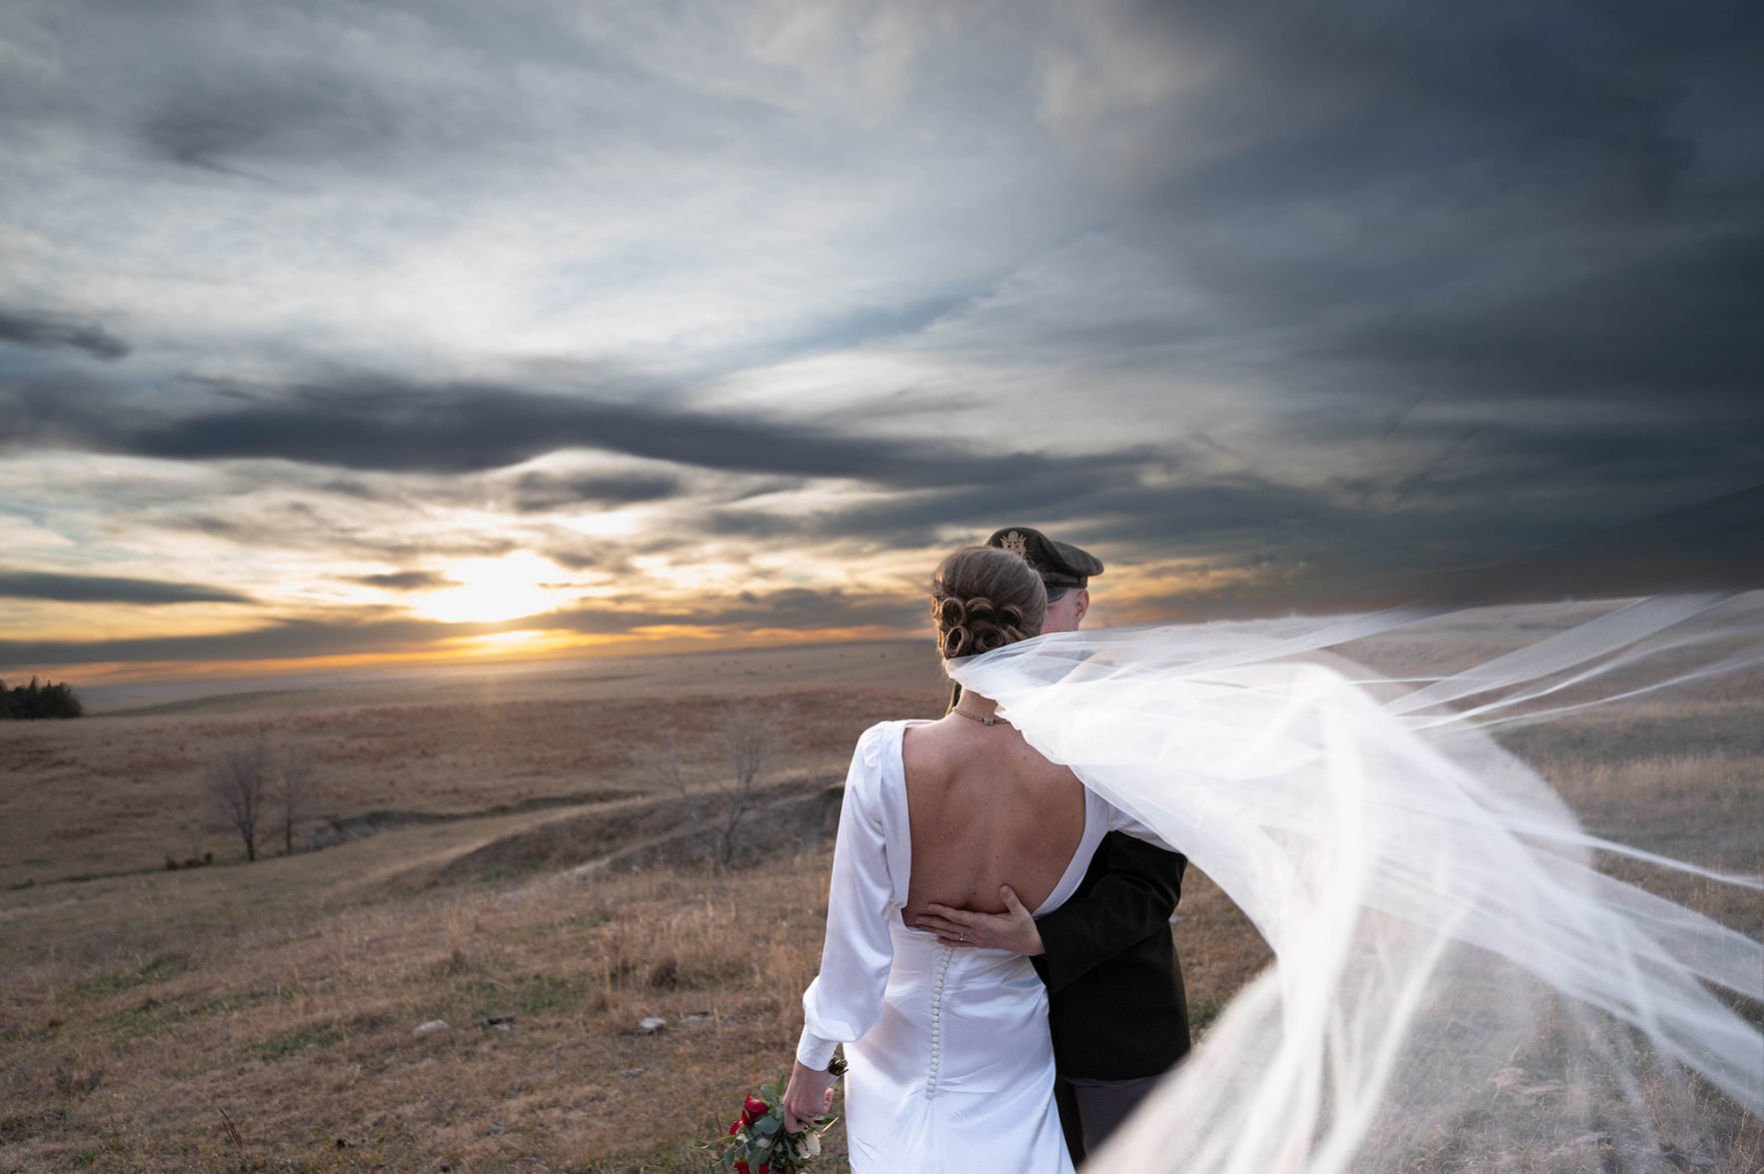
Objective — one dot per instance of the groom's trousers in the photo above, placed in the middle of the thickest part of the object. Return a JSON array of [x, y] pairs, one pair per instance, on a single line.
[[1116, 1005], [1090, 1110]]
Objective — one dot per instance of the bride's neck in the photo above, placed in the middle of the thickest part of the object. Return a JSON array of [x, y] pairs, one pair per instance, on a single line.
[[973, 705]]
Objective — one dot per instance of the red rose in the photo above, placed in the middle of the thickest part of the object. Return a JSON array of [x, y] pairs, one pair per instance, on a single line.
[[765, 1167], [754, 1109]]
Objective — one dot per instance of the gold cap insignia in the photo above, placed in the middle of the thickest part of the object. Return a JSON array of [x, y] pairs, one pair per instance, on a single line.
[[1016, 544]]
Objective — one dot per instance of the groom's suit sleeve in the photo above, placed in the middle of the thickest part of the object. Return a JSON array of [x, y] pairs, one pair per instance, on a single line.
[[1130, 902]]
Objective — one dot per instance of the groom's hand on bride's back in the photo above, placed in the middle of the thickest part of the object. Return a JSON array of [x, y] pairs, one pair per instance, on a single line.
[[1012, 930]]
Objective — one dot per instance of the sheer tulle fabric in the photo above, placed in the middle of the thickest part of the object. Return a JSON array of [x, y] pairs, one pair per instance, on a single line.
[[1455, 986]]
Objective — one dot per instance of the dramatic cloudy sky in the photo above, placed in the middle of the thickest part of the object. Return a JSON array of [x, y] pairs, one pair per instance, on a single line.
[[335, 329]]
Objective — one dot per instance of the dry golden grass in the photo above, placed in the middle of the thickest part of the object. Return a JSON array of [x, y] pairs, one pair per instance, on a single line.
[[299, 1030], [264, 1015]]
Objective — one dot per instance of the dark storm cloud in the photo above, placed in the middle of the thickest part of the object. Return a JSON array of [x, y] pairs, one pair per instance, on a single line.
[[1711, 545], [404, 580], [98, 589], [316, 119], [1492, 202], [581, 558], [1171, 518], [1681, 321], [1480, 465], [452, 428], [538, 492], [54, 332], [1189, 519], [288, 639], [316, 106]]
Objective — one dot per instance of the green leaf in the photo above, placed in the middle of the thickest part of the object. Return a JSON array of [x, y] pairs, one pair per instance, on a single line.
[[769, 1125]]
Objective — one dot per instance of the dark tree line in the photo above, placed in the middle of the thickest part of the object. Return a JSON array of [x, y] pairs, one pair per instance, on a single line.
[[22, 702]]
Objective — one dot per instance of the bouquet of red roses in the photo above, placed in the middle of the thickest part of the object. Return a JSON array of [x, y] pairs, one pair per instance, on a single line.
[[757, 1142]]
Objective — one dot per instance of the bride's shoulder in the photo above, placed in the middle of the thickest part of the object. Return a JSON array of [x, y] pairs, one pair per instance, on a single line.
[[876, 768], [870, 742], [876, 741], [894, 731], [881, 747]]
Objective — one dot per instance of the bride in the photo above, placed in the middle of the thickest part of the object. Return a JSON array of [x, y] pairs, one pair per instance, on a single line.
[[1455, 984], [950, 1062]]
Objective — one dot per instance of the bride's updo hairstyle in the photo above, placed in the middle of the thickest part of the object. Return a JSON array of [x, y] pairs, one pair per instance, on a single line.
[[984, 598]]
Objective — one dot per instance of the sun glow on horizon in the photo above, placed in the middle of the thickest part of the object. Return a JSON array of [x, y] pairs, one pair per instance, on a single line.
[[488, 591]]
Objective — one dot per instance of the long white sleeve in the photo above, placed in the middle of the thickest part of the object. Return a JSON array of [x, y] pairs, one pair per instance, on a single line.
[[845, 1000]]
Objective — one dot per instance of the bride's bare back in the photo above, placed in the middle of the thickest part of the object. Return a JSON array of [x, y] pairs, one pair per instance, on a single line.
[[985, 810]]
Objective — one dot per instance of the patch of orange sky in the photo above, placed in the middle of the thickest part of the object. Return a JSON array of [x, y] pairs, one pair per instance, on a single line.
[[522, 646]]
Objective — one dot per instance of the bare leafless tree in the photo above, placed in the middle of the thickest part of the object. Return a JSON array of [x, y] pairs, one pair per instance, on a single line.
[[293, 790], [751, 740], [237, 780]]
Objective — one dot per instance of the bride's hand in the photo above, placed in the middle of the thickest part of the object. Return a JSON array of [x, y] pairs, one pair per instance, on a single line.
[[808, 1095], [1012, 930]]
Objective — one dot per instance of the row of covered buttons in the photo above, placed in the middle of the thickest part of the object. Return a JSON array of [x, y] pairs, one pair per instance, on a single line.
[[937, 1020]]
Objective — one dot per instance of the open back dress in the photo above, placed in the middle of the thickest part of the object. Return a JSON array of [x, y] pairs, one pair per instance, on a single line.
[[950, 1062]]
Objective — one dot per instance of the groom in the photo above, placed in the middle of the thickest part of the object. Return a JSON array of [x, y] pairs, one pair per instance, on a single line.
[[1116, 1006]]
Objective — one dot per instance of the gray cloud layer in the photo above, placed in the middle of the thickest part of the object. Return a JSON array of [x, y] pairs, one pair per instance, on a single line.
[[391, 426], [99, 589], [49, 331], [538, 492], [404, 580]]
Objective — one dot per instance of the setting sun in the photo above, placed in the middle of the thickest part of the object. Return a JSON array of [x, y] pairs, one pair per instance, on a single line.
[[490, 590]]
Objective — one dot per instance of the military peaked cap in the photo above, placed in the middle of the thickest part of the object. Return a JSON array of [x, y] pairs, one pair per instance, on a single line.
[[1060, 564]]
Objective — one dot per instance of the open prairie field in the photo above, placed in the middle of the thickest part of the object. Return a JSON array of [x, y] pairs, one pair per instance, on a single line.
[[532, 858]]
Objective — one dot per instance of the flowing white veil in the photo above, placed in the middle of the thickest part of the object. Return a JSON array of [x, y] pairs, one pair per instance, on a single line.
[[1456, 985]]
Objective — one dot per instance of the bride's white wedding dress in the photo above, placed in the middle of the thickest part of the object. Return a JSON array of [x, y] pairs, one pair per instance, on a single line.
[[951, 1066]]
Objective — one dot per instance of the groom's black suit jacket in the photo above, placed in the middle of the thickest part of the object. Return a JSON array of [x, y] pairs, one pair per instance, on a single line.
[[1115, 998]]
